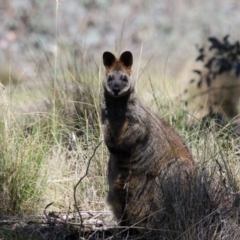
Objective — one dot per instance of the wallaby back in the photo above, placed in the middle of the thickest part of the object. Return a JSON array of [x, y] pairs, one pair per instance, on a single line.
[[144, 150]]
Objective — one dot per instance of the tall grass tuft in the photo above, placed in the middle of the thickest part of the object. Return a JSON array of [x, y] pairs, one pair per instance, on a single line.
[[22, 157]]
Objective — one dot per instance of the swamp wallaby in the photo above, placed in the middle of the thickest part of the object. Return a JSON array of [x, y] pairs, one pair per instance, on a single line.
[[144, 150]]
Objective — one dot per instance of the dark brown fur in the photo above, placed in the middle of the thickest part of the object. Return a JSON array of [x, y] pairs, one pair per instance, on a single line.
[[144, 150]]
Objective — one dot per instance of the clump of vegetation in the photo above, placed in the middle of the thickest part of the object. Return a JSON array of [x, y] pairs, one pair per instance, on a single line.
[[214, 93], [22, 161], [46, 151]]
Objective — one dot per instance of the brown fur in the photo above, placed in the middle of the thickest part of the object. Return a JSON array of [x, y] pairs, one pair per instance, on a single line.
[[144, 150]]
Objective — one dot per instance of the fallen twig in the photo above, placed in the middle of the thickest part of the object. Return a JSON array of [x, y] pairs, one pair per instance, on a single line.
[[79, 181], [49, 221]]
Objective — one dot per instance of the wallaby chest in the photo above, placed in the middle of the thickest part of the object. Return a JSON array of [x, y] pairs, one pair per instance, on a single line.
[[118, 123]]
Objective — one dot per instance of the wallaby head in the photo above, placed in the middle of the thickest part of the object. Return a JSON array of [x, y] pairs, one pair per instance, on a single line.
[[118, 81]]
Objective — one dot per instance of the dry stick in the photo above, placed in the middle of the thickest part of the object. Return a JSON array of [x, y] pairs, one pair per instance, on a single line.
[[79, 181], [49, 221]]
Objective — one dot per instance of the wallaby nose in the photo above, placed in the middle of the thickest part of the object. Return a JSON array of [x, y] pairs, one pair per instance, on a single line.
[[116, 90]]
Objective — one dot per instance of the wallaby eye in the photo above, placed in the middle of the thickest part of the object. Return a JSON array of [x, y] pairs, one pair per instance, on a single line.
[[110, 78], [124, 78]]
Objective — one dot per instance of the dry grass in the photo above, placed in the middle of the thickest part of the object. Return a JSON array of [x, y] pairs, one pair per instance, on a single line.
[[50, 125]]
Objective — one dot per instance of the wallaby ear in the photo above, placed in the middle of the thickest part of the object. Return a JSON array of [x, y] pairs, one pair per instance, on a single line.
[[127, 59], [108, 59]]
